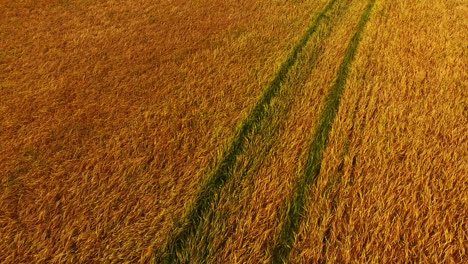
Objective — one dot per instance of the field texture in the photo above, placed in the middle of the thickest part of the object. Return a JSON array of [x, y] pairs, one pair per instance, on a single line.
[[234, 131]]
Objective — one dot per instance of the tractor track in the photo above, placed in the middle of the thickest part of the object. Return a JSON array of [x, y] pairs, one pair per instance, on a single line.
[[313, 165], [222, 172], [199, 211]]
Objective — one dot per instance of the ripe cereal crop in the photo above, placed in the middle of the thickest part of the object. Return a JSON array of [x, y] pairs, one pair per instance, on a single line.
[[170, 131]]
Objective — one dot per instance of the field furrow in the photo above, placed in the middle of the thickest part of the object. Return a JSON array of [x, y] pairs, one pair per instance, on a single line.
[[240, 212], [296, 207], [256, 122]]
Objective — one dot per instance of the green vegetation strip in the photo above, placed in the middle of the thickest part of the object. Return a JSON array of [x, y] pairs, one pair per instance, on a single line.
[[313, 164], [223, 171]]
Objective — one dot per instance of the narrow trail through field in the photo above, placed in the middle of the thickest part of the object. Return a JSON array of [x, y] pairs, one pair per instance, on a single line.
[[313, 165], [225, 165], [219, 237]]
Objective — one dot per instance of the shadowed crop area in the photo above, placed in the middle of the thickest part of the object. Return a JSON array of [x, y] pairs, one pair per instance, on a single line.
[[234, 131]]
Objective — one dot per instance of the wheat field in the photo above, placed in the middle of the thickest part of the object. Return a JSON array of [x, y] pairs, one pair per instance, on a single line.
[[234, 131]]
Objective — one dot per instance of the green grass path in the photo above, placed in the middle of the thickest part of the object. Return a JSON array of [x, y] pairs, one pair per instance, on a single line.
[[296, 208]]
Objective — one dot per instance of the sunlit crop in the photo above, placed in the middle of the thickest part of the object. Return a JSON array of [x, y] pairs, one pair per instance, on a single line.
[[225, 131]]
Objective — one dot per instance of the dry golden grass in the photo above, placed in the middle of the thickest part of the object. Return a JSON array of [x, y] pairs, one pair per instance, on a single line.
[[394, 180], [111, 112]]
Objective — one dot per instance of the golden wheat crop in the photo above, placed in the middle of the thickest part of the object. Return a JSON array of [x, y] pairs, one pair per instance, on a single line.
[[112, 110], [114, 113], [393, 186]]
